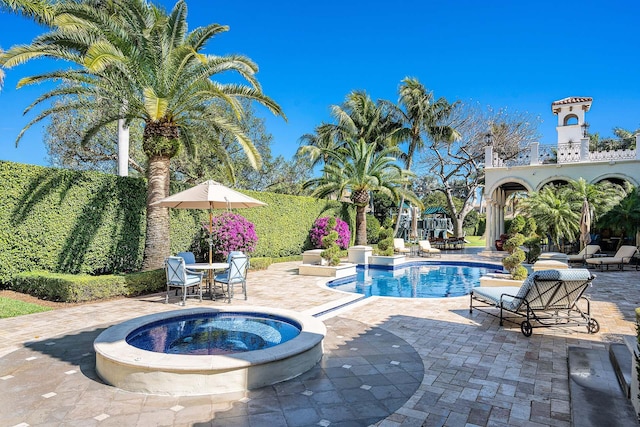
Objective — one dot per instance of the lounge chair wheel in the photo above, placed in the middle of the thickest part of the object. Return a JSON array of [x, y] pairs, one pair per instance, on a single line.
[[593, 326], [526, 328]]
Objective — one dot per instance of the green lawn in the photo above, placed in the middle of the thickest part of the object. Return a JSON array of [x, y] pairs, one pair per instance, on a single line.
[[475, 241], [11, 308]]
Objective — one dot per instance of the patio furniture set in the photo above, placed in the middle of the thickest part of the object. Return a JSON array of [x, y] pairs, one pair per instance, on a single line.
[[186, 275]]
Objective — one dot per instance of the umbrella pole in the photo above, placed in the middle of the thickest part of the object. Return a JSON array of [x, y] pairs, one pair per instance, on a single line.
[[210, 235]]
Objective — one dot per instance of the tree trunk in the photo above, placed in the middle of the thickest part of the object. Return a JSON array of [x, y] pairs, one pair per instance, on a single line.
[[397, 226], [157, 245], [361, 225]]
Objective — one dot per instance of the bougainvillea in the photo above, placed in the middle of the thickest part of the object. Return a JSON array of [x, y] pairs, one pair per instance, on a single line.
[[231, 232], [320, 229]]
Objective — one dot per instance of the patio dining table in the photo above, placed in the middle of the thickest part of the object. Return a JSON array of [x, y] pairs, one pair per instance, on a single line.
[[210, 268]]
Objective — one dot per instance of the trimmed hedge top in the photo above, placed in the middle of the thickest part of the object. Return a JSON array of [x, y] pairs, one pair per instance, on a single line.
[[89, 222]]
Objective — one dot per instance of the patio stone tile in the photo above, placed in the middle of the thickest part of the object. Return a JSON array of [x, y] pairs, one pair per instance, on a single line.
[[454, 368]]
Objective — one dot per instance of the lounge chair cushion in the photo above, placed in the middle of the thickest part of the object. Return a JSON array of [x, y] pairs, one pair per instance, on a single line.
[[425, 246], [398, 246], [586, 252], [493, 294], [622, 256]]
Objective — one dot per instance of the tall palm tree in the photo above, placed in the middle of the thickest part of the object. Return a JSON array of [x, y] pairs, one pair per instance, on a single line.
[[624, 217], [358, 168], [422, 117], [553, 213], [134, 61], [318, 146], [358, 117]]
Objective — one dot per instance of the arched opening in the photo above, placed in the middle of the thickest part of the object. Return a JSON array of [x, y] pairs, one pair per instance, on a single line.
[[571, 119]]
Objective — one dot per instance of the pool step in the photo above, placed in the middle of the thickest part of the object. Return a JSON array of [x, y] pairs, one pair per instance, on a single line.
[[620, 357], [596, 397]]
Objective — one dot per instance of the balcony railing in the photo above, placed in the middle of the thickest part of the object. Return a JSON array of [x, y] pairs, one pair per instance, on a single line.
[[570, 152]]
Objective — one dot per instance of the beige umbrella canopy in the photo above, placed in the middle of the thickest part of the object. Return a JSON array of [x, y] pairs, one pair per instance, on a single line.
[[585, 224], [209, 195]]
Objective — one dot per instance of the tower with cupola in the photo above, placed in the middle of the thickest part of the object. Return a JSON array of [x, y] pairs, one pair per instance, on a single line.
[[571, 118]]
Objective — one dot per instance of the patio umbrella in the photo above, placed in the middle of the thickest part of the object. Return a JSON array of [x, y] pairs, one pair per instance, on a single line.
[[209, 195], [414, 223], [585, 224]]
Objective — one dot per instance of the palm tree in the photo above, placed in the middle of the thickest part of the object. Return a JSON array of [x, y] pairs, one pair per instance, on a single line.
[[422, 117], [553, 213], [136, 62], [358, 117], [358, 168], [317, 146], [601, 196], [624, 217]]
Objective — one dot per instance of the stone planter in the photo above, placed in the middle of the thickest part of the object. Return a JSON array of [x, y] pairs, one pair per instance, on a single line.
[[387, 261], [338, 271], [359, 254], [313, 257]]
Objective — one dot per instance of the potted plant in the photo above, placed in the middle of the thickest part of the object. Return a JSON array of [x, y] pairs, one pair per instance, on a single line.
[[513, 262]]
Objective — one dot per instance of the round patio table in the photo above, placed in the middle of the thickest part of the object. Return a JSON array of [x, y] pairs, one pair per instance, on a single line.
[[210, 269]]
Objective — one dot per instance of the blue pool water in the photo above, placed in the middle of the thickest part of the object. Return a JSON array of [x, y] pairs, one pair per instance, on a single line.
[[215, 333], [417, 280]]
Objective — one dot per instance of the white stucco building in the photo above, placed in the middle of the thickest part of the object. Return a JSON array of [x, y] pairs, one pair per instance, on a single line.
[[540, 165]]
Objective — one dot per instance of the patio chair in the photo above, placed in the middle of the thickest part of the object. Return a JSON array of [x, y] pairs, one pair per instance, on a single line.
[[546, 298], [426, 249], [189, 257], [179, 277], [586, 252], [235, 274], [623, 256], [398, 246]]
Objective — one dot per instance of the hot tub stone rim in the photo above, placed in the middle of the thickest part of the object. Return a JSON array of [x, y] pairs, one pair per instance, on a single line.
[[111, 343]]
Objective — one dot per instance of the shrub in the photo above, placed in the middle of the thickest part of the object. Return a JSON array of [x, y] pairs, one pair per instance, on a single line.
[[385, 245], [373, 229], [321, 228], [230, 232], [513, 242], [519, 272], [517, 225], [90, 222], [83, 287], [332, 251]]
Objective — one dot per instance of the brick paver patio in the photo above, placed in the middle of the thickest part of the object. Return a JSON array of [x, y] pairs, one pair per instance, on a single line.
[[388, 362]]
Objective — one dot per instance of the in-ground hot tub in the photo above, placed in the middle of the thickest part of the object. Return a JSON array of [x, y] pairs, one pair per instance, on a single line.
[[233, 366]]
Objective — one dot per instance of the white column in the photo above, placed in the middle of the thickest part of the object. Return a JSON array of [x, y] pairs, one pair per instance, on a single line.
[[637, 146], [123, 148], [500, 206], [488, 156], [533, 153], [488, 232], [584, 150]]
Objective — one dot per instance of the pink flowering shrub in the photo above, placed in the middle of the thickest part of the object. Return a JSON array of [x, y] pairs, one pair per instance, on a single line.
[[320, 229], [231, 232]]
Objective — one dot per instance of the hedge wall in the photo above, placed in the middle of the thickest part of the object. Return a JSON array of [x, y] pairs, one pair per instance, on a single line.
[[88, 222]]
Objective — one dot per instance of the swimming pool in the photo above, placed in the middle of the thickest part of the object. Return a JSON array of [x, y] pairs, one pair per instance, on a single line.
[[422, 279]]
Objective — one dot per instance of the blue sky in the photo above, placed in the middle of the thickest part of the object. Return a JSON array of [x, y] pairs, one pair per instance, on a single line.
[[507, 54]]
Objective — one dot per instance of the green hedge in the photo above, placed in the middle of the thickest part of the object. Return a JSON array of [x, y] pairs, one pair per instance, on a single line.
[[66, 221], [83, 287]]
